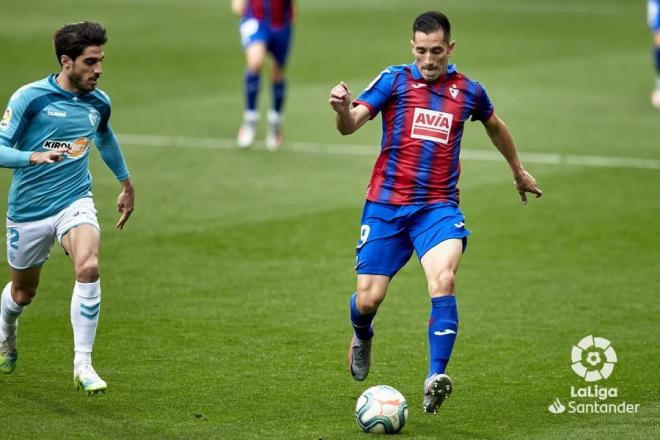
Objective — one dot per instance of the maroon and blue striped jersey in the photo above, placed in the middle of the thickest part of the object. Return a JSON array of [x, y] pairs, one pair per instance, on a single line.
[[278, 13], [422, 129]]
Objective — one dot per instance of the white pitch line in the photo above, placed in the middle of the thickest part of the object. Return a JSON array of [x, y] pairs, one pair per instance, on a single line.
[[372, 150]]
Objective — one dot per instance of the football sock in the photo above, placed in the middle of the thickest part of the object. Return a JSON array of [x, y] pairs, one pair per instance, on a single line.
[[251, 89], [9, 312], [279, 90], [443, 326], [361, 323], [85, 308], [657, 60]]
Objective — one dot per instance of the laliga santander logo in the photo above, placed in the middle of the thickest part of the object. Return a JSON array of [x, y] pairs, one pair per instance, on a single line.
[[593, 358]]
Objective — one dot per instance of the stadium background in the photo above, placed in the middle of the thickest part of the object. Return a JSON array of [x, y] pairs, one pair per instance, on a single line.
[[225, 299]]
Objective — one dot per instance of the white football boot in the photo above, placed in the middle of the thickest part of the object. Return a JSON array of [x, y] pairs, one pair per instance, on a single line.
[[274, 132], [87, 380], [248, 131]]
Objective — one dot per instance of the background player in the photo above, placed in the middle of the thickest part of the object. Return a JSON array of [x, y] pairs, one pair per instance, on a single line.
[[51, 124], [266, 26], [412, 200], [654, 24]]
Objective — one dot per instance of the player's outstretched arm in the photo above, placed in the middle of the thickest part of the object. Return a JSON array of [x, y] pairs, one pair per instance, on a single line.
[[348, 120], [125, 202], [501, 137]]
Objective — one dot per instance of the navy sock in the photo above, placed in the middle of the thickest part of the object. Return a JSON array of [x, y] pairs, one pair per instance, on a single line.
[[361, 323], [443, 326], [251, 89], [657, 60], [279, 89]]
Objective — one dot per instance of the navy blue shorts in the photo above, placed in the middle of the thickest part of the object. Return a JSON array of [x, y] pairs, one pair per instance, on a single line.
[[277, 40], [390, 233]]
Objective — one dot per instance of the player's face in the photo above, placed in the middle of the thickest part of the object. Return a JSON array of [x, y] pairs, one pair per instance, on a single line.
[[84, 71], [432, 53]]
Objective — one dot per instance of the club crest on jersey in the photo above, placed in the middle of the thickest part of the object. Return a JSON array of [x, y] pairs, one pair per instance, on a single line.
[[453, 91], [76, 148], [431, 125], [5, 119], [93, 117]]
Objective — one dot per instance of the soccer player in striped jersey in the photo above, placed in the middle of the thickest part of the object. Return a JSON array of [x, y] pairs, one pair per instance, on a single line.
[[654, 24], [266, 27], [412, 200], [45, 136]]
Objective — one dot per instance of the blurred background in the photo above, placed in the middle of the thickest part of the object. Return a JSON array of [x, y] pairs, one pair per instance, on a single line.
[[225, 298]]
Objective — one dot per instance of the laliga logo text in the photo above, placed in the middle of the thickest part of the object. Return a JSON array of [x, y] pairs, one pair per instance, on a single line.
[[593, 359]]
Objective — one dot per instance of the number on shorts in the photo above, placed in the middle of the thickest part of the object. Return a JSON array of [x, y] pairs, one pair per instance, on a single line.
[[364, 234]]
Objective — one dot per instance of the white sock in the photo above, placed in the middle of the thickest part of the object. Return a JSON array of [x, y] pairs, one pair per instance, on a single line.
[[85, 309], [9, 313]]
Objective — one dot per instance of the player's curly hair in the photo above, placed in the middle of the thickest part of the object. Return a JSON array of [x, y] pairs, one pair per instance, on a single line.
[[72, 39], [430, 22]]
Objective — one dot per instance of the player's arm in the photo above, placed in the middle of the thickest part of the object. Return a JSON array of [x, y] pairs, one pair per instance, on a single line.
[[501, 137], [13, 158], [107, 144], [349, 120], [238, 7]]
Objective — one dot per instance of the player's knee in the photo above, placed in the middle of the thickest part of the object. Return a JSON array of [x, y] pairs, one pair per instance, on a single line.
[[88, 270], [442, 284], [23, 295], [369, 296], [254, 67]]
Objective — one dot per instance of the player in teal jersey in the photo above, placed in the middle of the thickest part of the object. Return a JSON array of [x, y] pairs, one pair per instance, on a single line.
[[45, 136]]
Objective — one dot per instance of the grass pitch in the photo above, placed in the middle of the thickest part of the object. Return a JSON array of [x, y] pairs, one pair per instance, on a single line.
[[225, 299]]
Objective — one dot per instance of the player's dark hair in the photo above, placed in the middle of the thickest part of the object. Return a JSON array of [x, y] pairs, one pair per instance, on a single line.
[[72, 39], [430, 22]]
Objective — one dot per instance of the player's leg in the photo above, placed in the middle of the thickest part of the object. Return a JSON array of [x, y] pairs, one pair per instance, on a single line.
[[278, 45], [439, 236], [253, 36], [382, 250], [79, 235], [16, 295], [28, 246], [364, 303], [440, 265]]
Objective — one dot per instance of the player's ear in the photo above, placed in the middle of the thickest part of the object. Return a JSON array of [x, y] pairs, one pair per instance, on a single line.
[[451, 47], [412, 46], [66, 61]]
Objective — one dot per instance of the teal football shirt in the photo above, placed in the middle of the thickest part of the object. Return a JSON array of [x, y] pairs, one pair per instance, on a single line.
[[42, 116]]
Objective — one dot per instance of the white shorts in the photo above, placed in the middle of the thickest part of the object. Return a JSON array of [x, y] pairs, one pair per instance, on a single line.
[[29, 243]]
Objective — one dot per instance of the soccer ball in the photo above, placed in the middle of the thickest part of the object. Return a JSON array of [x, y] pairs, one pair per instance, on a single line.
[[382, 410]]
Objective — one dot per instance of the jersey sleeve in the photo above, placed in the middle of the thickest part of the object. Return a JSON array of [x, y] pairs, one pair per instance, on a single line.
[[377, 93], [106, 143], [12, 125], [483, 108]]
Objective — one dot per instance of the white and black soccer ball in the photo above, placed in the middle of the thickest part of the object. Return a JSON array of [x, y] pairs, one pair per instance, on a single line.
[[381, 409]]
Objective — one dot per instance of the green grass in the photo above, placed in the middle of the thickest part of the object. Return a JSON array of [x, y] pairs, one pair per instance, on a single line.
[[225, 299]]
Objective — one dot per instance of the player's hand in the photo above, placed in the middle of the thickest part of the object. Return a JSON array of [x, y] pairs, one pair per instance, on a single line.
[[340, 98], [526, 183], [50, 156], [238, 7], [125, 203]]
